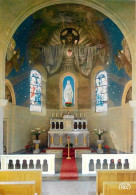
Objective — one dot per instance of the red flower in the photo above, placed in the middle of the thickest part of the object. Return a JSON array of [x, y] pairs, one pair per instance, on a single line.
[[44, 151], [27, 146], [68, 102], [106, 146]]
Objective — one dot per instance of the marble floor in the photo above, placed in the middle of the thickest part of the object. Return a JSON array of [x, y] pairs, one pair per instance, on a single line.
[[69, 187]]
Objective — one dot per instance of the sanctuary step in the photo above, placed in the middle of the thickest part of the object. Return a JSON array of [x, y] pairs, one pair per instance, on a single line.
[[75, 152], [71, 152]]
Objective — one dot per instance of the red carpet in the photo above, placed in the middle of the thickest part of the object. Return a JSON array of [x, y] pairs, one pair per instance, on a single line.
[[72, 153], [69, 167]]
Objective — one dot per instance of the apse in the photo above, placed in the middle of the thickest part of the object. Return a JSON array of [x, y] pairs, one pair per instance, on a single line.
[[95, 42]]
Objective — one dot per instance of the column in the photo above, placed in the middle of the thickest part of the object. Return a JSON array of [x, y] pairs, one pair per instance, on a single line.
[[60, 139], [76, 140], [52, 140], [3, 102], [132, 104], [48, 141], [84, 140]]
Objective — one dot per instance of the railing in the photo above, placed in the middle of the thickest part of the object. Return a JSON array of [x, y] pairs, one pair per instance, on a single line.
[[45, 162], [92, 162]]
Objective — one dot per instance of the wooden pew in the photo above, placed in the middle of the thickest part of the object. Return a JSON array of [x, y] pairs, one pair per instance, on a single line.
[[113, 176], [17, 188], [119, 188], [23, 175]]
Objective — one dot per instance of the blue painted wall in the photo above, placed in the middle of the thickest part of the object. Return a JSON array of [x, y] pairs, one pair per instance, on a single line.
[[116, 78]]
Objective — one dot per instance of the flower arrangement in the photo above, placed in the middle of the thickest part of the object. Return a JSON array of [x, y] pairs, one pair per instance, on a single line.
[[37, 132], [68, 103], [99, 132]]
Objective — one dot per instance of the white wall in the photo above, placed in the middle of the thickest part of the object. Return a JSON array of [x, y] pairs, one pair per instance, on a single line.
[[117, 122], [20, 121]]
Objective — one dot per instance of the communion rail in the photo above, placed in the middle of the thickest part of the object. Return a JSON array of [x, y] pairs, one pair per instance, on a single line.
[[45, 162], [92, 162]]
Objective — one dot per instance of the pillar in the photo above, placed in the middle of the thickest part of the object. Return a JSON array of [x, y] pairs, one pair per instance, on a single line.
[[84, 140], [52, 140], [60, 139], [76, 140], [3, 102], [133, 106]]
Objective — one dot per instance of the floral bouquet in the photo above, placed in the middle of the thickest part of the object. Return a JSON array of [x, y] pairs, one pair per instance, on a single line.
[[99, 132], [68, 104], [37, 132]]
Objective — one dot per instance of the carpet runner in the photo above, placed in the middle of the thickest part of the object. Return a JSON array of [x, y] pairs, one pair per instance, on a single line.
[[69, 167]]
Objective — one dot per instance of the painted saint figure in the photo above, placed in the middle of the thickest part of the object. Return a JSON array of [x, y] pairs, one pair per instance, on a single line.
[[68, 92]]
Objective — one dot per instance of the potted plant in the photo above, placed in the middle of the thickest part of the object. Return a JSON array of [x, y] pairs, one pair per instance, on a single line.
[[36, 132], [99, 133]]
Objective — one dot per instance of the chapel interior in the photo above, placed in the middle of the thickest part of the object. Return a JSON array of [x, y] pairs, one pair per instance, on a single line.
[[68, 90]]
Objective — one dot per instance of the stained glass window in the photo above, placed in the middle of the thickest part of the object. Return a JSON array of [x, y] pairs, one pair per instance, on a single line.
[[68, 91], [35, 91], [101, 91]]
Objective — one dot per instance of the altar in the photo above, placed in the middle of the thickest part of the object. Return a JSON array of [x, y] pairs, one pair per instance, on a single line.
[[68, 125]]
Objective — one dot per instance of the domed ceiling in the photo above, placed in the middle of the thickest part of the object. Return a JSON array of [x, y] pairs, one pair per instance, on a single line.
[[47, 28]]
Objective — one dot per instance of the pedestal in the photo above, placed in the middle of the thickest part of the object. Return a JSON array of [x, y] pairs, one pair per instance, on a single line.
[[100, 150], [37, 150]]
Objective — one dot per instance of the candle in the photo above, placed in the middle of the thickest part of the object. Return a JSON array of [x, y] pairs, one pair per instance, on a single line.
[[52, 114], [80, 115], [84, 115]]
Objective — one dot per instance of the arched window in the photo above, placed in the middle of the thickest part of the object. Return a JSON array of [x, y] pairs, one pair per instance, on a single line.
[[68, 91], [35, 91], [101, 91]]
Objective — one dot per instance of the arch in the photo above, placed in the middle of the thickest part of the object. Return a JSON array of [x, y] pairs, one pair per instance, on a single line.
[[103, 8], [75, 93], [127, 87], [10, 87], [101, 86]]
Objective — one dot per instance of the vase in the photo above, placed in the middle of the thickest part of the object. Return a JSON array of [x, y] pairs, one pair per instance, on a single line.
[[99, 136], [100, 150], [36, 150]]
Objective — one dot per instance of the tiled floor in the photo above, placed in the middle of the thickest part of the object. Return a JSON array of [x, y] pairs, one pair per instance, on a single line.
[[69, 187]]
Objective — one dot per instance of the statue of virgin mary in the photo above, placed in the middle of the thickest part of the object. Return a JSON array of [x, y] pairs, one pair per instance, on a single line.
[[68, 92]]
